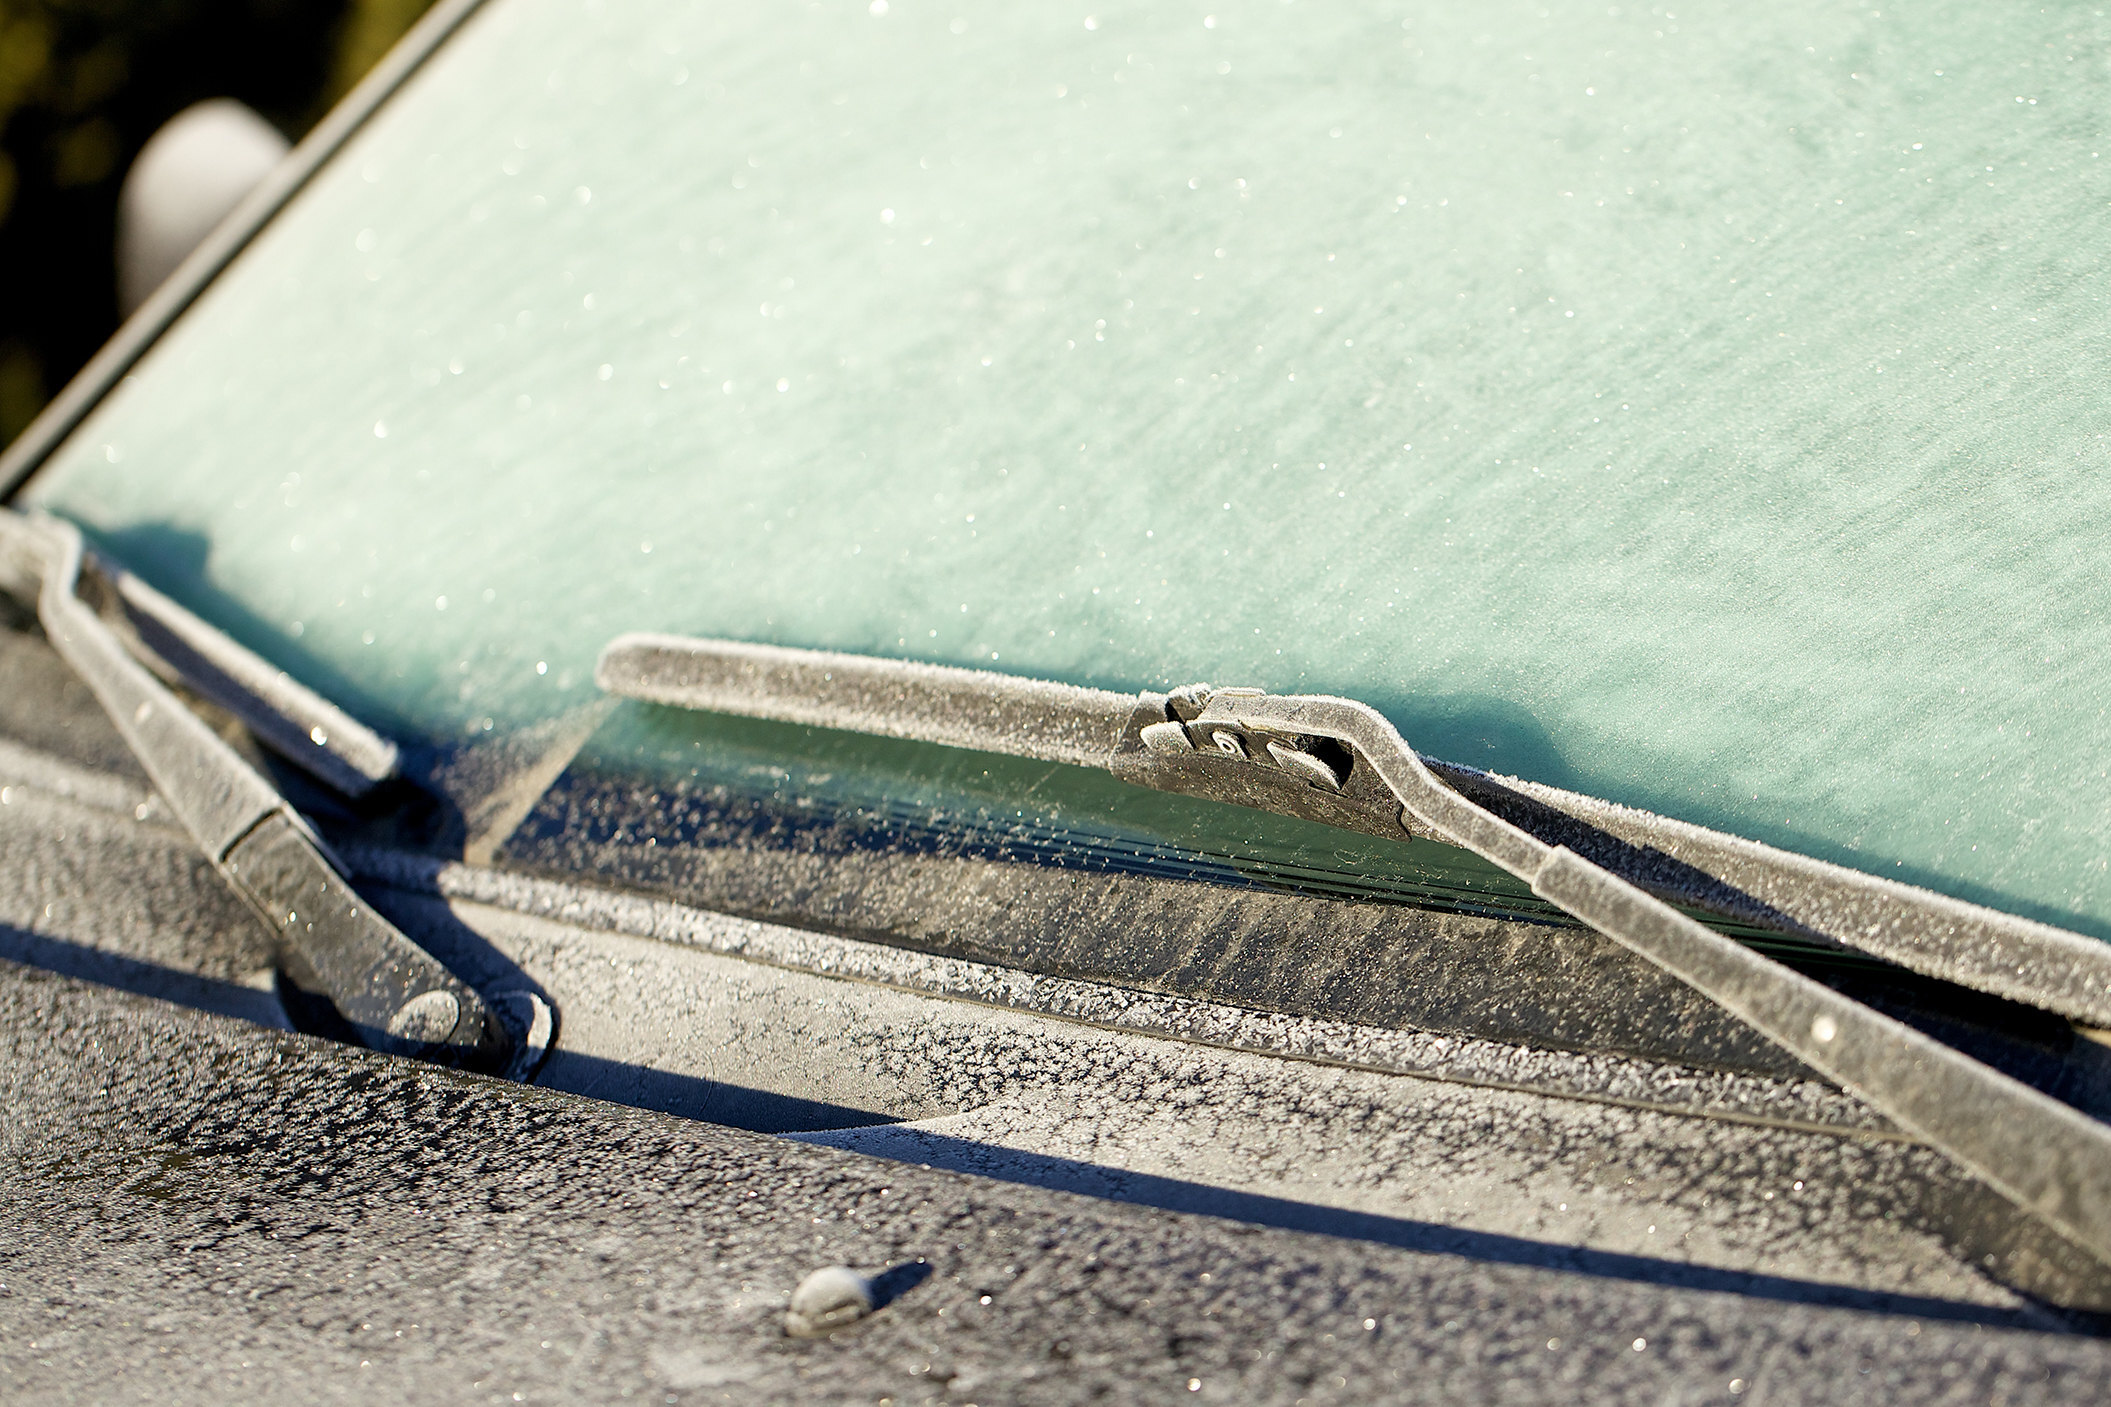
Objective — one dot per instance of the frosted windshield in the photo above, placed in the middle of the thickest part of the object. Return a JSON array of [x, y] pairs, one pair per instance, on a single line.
[[1699, 408]]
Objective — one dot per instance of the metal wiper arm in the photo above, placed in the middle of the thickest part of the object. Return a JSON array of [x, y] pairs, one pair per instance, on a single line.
[[331, 943], [1341, 762]]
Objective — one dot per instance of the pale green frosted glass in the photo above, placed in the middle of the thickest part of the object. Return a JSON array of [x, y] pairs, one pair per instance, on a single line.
[[1704, 412]]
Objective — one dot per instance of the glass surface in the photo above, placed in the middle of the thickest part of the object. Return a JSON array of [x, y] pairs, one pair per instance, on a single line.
[[849, 791], [1699, 408], [718, 780]]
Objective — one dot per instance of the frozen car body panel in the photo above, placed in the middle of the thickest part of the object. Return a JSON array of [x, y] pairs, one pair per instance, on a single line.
[[655, 1255], [999, 1119]]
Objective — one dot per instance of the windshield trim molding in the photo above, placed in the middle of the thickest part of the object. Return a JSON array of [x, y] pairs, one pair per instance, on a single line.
[[139, 332]]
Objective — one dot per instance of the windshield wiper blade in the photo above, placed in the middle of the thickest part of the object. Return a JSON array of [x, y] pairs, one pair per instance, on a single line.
[[1740, 880], [285, 715], [1341, 762], [392, 994]]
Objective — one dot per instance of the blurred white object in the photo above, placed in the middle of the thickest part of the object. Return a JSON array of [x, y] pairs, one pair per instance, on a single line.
[[184, 181]]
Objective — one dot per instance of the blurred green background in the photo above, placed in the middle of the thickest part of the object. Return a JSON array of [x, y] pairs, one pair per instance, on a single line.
[[83, 85]]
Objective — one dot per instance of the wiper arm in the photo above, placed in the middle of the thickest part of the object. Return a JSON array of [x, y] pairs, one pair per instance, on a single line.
[[1341, 762], [393, 994]]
